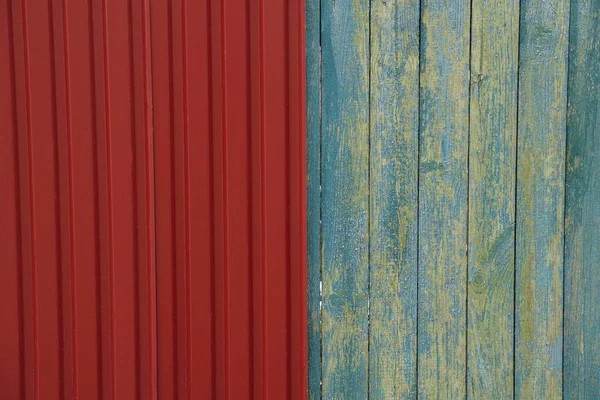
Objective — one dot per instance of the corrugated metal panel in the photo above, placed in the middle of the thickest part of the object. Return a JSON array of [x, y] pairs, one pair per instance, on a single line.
[[230, 243], [77, 203], [121, 115]]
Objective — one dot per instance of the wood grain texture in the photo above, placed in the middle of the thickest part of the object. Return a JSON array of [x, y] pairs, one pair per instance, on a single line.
[[394, 119], [313, 177], [582, 203], [540, 198], [345, 197], [444, 108], [492, 163]]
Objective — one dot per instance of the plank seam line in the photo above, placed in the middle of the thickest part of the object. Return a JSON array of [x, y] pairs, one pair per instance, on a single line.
[[564, 271], [516, 203], [320, 201], [416, 383], [369, 212], [468, 199]]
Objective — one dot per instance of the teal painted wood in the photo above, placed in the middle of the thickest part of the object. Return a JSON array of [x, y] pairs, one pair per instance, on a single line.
[[582, 224], [492, 166], [313, 198], [444, 125], [345, 197], [393, 188], [540, 198]]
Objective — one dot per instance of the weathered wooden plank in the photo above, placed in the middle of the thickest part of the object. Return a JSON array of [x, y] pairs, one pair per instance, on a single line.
[[313, 163], [444, 109], [582, 224], [394, 119], [540, 198], [492, 162], [345, 197]]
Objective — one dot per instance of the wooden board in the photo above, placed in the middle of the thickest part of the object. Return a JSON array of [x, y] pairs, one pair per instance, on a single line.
[[394, 119], [443, 156], [492, 167], [345, 194], [582, 203], [540, 198]]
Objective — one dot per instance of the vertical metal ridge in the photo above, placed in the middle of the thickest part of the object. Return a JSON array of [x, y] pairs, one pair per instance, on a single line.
[[300, 377], [58, 214], [26, 157], [288, 200], [95, 119], [65, 221], [258, 196], [61, 244], [180, 223], [173, 195], [250, 205], [220, 200], [111, 362], [149, 198], [226, 313], [186, 194]]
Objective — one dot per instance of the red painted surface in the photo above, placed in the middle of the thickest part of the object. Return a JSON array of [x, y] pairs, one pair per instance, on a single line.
[[152, 199]]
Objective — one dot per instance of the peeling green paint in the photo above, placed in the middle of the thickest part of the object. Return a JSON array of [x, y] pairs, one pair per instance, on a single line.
[[438, 210]]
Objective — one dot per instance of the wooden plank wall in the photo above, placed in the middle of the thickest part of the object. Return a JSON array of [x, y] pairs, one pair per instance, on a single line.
[[453, 199]]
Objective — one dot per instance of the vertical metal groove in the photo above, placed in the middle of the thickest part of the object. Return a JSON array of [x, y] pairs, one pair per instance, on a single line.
[[288, 169], [95, 119], [212, 265], [250, 207], [108, 166], [62, 238], [149, 202], [134, 204]]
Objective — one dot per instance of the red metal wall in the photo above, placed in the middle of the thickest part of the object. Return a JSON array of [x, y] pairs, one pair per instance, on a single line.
[[152, 199]]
